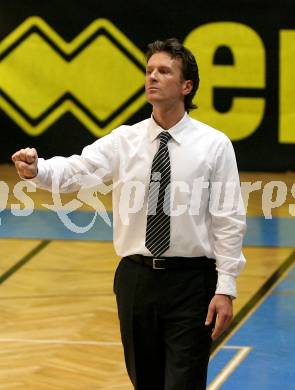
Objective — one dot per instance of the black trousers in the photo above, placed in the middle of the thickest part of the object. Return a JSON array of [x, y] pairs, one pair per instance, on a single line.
[[162, 315]]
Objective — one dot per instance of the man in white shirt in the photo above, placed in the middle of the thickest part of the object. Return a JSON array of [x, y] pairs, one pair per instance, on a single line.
[[181, 245]]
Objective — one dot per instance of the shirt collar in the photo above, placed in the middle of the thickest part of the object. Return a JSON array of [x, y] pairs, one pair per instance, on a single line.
[[176, 131]]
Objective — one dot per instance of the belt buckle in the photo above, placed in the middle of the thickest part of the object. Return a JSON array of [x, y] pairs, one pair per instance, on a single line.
[[155, 266]]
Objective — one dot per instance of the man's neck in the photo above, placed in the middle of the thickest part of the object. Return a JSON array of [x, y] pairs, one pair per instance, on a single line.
[[168, 117]]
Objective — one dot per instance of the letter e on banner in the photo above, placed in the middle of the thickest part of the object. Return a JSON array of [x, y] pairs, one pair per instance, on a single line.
[[246, 71]]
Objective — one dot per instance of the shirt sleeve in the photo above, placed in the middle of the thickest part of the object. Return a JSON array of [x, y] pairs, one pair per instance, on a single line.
[[228, 219], [96, 164]]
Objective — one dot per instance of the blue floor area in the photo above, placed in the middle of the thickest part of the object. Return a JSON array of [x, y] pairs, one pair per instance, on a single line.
[[277, 232], [48, 225], [270, 332], [51, 226]]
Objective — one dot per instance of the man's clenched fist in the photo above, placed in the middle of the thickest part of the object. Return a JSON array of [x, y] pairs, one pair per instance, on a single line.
[[26, 162]]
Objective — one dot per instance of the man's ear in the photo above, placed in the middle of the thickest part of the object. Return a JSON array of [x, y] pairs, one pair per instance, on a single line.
[[187, 87]]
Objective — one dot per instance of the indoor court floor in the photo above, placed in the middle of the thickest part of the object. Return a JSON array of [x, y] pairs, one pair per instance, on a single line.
[[59, 327]]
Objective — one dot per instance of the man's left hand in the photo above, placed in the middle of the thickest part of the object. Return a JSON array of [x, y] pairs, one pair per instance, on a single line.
[[223, 307]]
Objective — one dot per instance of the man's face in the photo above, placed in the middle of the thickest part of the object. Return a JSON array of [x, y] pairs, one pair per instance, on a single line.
[[164, 84]]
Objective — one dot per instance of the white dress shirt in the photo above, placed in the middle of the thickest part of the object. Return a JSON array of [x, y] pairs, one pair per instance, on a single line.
[[207, 214]]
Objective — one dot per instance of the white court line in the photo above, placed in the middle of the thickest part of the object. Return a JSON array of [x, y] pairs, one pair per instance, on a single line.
[[66, 342], [230, 367]]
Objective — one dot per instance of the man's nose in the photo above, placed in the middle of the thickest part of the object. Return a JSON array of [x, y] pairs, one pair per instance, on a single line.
[[154, 74]]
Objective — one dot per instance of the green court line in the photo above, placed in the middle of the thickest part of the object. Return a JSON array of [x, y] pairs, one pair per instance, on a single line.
[[24, 260], [255, 300]]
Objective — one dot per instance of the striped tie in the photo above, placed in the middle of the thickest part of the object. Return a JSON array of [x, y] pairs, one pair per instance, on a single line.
[[157, 239]]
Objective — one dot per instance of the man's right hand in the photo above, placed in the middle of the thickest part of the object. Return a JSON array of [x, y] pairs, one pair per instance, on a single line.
[[26, 162]]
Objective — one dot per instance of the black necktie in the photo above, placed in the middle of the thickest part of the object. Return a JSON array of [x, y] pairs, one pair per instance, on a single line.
[[157, 239]]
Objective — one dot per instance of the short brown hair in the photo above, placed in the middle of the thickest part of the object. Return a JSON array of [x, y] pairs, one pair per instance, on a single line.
[[190, 70]]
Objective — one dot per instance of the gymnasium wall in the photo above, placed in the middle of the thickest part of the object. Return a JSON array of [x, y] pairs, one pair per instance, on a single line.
[[71, 71]]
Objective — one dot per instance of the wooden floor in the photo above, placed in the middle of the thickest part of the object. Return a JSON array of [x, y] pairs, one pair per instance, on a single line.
[[59, 327]]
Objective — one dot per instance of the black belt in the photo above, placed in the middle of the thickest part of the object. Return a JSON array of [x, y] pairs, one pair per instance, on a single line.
[[173, 262]]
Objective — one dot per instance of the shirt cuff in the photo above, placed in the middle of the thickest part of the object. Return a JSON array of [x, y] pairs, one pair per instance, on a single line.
[[226, 285]]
